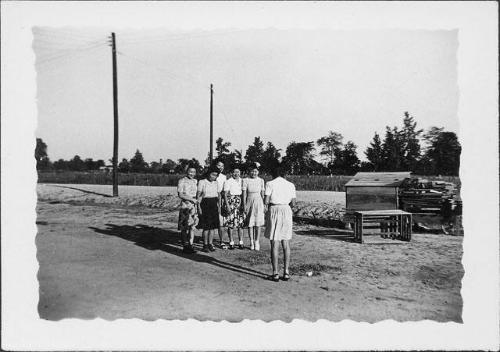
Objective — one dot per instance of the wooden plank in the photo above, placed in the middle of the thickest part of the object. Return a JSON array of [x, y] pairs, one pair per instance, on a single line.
[[372, 190], [371, 202]]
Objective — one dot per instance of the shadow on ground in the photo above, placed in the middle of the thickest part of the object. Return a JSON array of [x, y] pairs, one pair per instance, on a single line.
[[370, 239], [334, 234], [86, 191], [154, 238]]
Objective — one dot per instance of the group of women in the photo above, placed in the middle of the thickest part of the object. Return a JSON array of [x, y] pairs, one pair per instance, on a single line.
[[217, 202]]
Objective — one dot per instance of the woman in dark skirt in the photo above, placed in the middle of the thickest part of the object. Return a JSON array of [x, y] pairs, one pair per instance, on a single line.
[[208, 208]]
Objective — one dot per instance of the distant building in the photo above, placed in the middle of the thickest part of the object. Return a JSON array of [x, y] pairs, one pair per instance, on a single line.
[[106, 168]]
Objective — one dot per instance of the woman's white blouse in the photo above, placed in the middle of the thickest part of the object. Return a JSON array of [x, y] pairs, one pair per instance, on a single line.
[[233, 186], [280, 191]]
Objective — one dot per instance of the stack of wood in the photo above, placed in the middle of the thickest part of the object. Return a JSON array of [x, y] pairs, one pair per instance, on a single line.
[[418, 195]]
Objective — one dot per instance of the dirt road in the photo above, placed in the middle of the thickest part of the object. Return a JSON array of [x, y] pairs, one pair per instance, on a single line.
[[102, 258]]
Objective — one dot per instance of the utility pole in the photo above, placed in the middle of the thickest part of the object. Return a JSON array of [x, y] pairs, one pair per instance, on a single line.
[[211, 123], [115, 118]]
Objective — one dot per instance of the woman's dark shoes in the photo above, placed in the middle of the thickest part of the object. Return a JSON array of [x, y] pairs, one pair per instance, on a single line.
[[211, 248], [206, 249], [189, 249], [285, 277]]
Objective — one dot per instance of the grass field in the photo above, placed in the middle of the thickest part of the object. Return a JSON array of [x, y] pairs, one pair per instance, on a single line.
[[302, 182]]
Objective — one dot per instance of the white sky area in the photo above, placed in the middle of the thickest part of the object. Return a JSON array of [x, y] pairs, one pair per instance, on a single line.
[[281, 85]]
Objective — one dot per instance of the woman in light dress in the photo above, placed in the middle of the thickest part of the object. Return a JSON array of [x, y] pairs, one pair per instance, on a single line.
[[279, 198], [234, 216], [253, 202], [188, 217], [208, 195]]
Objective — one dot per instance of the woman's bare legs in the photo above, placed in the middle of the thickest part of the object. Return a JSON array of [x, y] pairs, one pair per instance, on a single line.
[[274, 256], [210, 237], [286, 253], [257, 237], [250, 236], [205, 234]]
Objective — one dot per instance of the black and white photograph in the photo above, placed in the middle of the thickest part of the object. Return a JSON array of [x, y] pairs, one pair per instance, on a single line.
[[252, 173]]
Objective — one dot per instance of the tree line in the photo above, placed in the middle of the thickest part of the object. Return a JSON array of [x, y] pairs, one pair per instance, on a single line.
[[404, 148]]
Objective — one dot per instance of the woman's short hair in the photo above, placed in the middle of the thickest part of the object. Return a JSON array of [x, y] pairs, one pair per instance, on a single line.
[[253, 166], [278, 171], [212, 169]]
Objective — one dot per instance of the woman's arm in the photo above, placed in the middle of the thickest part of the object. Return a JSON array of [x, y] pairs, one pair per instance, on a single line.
[[244, 195], [187, 198]]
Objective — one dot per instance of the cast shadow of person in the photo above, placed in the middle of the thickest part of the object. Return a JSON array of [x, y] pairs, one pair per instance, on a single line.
[[154, 238]]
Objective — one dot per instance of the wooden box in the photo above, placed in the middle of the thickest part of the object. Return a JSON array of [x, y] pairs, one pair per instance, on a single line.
[[373, 191]]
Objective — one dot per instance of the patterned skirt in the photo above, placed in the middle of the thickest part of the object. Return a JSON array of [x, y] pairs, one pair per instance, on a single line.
[[188, 217], [279, 222], [235, 217], [209, 217]]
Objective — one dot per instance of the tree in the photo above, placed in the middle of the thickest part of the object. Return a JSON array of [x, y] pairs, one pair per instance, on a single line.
[[374, 154], [346, 160], [154, 167], [444, 154], [329, 145], [411, 144], [255, 151], [137, 163], [392, 150], [270, 157], [124, 166], [168, 167], [76, 164], [222, 147], [299, 157], [182, 165], [61, 165], [42, 159]]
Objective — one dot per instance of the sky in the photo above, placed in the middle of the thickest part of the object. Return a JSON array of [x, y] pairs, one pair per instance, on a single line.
[[281, 85]]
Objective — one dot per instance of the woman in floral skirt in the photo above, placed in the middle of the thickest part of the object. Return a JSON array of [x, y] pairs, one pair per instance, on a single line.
[[234, 207]]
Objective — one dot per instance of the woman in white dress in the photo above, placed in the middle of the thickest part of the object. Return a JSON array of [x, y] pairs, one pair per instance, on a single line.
[[253, 203]]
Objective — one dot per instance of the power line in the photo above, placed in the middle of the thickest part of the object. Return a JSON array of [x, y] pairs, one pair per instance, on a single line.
[[58, 52], [167, 38], [70, 54], [66, 35]]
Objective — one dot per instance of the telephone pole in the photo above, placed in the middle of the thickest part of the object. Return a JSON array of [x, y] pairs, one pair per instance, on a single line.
[[115, 118], [211, 123]]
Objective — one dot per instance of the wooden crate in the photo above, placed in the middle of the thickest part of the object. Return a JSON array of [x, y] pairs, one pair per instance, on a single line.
[[395, 224]]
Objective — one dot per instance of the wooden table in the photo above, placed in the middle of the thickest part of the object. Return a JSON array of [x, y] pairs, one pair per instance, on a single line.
[[395, 224]]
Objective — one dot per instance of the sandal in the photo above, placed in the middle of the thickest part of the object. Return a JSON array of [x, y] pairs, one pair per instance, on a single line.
[[222, 246], [275, 278]]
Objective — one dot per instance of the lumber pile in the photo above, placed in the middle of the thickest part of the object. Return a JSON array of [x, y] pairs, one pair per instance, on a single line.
[[418, 195]]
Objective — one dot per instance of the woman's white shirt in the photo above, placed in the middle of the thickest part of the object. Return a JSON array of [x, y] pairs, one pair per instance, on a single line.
[[233, 186], [280, 191]]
